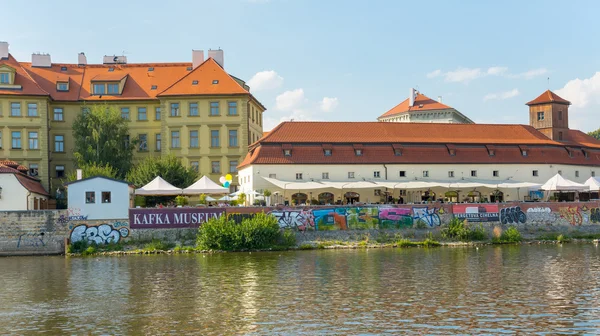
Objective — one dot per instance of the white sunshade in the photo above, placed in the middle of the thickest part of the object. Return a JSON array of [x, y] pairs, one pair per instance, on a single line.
[[350, 185], [559, 183], [210, 199], [287, 185], [205, 186], [158, 187], [228, 198], [593, 183]]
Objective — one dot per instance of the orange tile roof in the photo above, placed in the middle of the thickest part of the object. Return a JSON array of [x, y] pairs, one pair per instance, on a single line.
[[383, 132], [548, 97], [577, 137], [109, 77], [22, 77], [30, 183], [48, 77], [210, 79], [421, 99]]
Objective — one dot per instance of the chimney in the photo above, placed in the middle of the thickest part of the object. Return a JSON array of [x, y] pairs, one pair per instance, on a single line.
[[411, 97], [41, 60], [114, 59], [440, 99], [197, 58], [217, 55], [3, 50], [81, 59], [79, 174]]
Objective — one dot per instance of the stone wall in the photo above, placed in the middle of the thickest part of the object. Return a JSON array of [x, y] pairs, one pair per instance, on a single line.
[[32, 232]]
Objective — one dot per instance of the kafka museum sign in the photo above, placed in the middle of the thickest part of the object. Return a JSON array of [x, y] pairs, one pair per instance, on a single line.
[[166, 218]]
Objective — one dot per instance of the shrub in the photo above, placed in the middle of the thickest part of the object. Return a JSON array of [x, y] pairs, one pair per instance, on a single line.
[[156, 245], [78, 247], [202, 199], [478, 233], [288, 238], [140, 201], [511, 235], [89, 250], [458, 229], [405, 243], [258, 232], [306, 247], [430, 243], [181, 200]]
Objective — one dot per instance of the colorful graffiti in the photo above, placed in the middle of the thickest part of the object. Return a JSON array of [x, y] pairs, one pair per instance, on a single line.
[[571, 214], [98, 234], [395, 218], [540, 214], [294, 219], [476, 212], [427, 215], [595, 215], [512, 215]]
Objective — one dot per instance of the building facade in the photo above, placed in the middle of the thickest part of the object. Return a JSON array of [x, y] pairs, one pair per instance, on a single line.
[[420, 108], [100, 198], [369, 161], [195, 111], [18, 190]]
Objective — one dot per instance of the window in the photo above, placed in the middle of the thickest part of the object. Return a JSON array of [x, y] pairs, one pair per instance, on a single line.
[[325, 176], [215, 81], [58, 114], [492, 152], [298, 176], [33, 140], [452, 152], [62, 86], [214, 108], [157, 140], [195, 165], [398, 152], [215, 167], [111, 69], [559, 115], [214, 138], [143, 145], [33, 169], [358, 152], [142, 115], [90, 197], [106, 197], [451, 173], [194, 139], [496, 173], [194, 109], [175, 142], [113, 89], [157, 113], [560, 137], [376, 174], [232, 108], [524, 152], [153, 87], [4, 78], [125, 113], [327, 152], [99, 89], [151, 69], [189, 68], [16, 140], [194, 82], [350, 175], [233, 166], [287, 152], [402, 173], [535, 173], [174, 109], [233, 138], [473, 173], [540, 116], [126, 141], [32, 110], [577, 173], [425, 173], [60, 171], [15, 109], [272, 175]]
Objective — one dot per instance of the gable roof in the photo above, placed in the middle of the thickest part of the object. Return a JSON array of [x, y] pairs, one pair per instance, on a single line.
[[95, 177], [22, 77], [421, 99], [30, 183], [205, 74], [548, 97]]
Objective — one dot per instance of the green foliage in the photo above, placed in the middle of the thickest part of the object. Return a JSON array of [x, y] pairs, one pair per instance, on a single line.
[[183, 249], [405, 243], [181, 200], [156, 245], [306, 247], [202, 199], [90, 250], [583, 235], [258, 232], [478, 233], [241, 199], [510, 235], [561, 238], [140, 201], [458, 229], [288, 238], [314, 202], [77, 247], [92, 169], [595, 134], [100, 138], [430, 243], [267, 193]]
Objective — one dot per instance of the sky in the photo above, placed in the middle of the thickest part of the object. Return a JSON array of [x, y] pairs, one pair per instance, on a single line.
[[344, 60]]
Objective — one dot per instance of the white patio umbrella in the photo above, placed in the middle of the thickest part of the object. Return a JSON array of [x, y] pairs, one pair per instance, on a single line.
[[204, 186], [228, 198], [158, 187], [210, 199], [559, 183], [593, 183]]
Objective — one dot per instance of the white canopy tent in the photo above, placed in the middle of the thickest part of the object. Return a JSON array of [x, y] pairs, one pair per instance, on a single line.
[[210, 199], [205, 186], [593, 183], [158, 187], [228, 198], [559, 183], [295, 185]]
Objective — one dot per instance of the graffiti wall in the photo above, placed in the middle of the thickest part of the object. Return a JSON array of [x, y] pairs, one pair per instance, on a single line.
[[99, 232]]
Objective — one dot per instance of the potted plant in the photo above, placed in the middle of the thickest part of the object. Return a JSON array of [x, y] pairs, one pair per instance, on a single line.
[[181, 201], [267, 194]]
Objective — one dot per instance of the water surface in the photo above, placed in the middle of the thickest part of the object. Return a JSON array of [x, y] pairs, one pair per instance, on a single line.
[[510, 289]]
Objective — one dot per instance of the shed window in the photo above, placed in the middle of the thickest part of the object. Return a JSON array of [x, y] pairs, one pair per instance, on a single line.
[[90, 197], [106, 197]]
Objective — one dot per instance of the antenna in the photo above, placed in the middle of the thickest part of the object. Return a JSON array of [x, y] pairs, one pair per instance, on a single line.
[[548, 83]]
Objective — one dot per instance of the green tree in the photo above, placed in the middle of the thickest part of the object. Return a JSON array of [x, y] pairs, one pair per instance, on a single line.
[[102, 137], [92, 169], [168, 167], [595, 134]]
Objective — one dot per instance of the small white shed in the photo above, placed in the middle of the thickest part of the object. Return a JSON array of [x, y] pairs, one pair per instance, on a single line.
[[100, 197]]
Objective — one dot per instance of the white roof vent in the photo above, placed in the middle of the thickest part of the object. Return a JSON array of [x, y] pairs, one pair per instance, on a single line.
[[197, 58], [217, 55], [114, 60], [81, 59], [3, 50], [41, 60]]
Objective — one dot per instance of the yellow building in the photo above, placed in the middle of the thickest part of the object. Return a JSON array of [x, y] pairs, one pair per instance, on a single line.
[[196, 111]]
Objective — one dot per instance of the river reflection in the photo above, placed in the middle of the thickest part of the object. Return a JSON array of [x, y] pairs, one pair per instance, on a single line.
[[490, 290]]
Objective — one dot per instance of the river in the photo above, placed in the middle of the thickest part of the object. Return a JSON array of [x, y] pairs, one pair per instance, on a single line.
[[495, 289]]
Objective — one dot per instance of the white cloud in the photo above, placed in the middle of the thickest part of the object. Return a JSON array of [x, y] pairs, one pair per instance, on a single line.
[[265, 80], [529, 74], [465, 75], [328, 104], [434, 73], [289, 100], [584, 95], [496, 70], [501, 95]]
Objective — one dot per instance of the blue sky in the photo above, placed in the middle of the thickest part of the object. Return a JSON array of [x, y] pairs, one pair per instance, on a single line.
[[345, 60]]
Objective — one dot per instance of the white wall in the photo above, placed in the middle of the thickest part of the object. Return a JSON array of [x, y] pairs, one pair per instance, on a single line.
[[14, 195], [116, 209]]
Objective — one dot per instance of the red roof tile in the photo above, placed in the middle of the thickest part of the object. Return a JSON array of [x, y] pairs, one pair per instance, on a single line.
[[421, 100], [109, 77], [31, 184], [384, 132], [22, 77], [577, 137], [548, 97], [48, 77], [8, 170]]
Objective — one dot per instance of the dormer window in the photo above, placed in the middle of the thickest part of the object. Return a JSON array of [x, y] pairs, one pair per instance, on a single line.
[[63, 68], [99, 89], [62, 86], [327, 152], [189, 68], [452, 152], [585, 154], [111, 69], [287, 152], [4, 78], [113, 88], [194, 82], [398, 152], [358, 152], [524, 152], [153, 87], [215, 81], [151, 69], [492, 152]]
